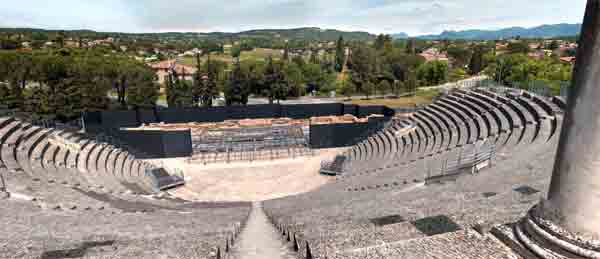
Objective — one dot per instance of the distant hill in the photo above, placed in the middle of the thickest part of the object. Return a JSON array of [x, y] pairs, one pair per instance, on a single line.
[[401, 35], [308, 33], [311, 33], [544, 31]]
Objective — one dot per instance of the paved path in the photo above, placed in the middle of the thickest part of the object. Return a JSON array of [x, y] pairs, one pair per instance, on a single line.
[[260, 240]]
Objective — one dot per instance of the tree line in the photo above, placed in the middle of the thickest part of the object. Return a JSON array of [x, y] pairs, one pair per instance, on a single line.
[[60, 85]]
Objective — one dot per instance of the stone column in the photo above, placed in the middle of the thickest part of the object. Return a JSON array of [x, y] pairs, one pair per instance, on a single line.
[[567, 223]]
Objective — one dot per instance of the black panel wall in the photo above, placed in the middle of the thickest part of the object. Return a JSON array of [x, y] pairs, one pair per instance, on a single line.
[[261, 111], [302, 111], [118, 119], [156, 143], [146, 116], [343, 134], [177, 143], [350, 109]]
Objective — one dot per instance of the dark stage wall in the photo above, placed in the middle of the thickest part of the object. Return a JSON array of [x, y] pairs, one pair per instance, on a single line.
[[177, 144]]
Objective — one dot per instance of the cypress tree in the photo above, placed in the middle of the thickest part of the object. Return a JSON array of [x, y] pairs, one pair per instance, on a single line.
[[340, 55]]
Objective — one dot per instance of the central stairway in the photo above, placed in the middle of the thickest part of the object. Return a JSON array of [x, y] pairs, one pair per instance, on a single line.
[[260, 240]]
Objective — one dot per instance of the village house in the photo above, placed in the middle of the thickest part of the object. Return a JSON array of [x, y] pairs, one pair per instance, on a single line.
[[163, 69], [569, 60], [191, 53], [535, 46], [434, 54], [537, 54]]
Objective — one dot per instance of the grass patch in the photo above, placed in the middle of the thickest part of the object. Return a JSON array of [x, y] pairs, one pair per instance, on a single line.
[[258, 54], [423, 97], [261, 54], [191, 61]]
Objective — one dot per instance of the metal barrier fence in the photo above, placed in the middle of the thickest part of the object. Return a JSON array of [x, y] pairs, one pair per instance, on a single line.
[[480, 159], [542, 88], [250, 144]]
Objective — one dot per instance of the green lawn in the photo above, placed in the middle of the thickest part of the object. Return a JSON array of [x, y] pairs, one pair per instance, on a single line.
[[423, 97], [258, 54], [191, 61]]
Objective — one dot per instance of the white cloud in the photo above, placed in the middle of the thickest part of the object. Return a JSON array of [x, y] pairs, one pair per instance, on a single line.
[[376, 16]]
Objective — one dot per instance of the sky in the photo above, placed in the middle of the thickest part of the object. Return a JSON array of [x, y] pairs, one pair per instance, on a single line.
[[415, 17]]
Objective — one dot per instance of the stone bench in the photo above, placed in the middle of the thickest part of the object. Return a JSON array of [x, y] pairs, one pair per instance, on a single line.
[[8, 138], [447, 126], [471, 128], [459, 126], [483, 119]]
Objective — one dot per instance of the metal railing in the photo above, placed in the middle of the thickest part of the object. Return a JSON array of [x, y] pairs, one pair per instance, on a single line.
[[542, 88], [250, 144], [480, 159]]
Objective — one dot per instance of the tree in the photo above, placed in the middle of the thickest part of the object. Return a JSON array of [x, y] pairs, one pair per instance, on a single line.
[[368, 89], [197, 85], [383, 86], [433, 73], [340, 55], [344, 87], [255, 73], [313, 76], [381, 41], [457, 75], [237, 89], [502, 68], [554, 45], [314, 56], [476, 63], [208, 83], [16, 70], [363, 69], [411, 83], [286, 54], [60, 39], [276, 84], [236, 52], [460, 56], [179, 93], [295, 78], [399, 64], [142, 92], [397, 87], [518, 47], [410, 46]]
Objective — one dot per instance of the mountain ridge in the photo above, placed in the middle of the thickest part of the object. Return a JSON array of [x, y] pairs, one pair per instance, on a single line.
[[542, 31], [301, 33]]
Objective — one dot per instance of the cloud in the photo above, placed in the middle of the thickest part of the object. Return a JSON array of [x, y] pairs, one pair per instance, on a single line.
[[376, 16]]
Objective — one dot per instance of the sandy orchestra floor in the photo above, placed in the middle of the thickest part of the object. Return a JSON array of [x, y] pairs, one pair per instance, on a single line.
[[250, 181]]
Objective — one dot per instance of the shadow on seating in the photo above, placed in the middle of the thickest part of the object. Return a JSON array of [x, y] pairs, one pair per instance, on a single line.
[[76, 252], [436, 225]]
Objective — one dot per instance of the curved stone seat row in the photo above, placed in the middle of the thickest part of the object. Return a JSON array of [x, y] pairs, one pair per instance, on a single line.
[[383, 205], [25, 148], [454, 121]]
